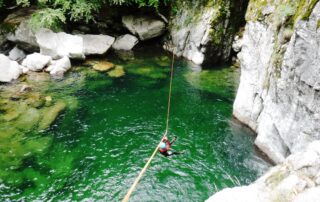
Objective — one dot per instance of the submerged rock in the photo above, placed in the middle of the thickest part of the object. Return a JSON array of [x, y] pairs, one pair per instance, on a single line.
[[9, 70], [36, 61], [50, 114], [58, 45], [144, 27], [125, 42], [96, 44], [103, 66], [118, 71], [294, 180]]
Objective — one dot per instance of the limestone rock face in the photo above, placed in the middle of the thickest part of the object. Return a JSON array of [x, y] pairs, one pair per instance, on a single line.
[[9, 70], [144, 27], [203, 31], [278, 96], [294, 180], [36, 61], [58, 45], [125, 42], [96, 44], [59, 67], [17, 54]]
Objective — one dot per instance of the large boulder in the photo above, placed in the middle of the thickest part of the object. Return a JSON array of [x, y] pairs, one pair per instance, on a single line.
[[58, 45], [144, 27], [25, 37], [125, 42], [36, 61], [59, 67], [23, 34], [96, 44], [9, 70], [17, 54]]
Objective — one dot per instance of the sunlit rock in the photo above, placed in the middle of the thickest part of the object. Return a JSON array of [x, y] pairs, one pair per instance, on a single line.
[[58, 45], [59, 67], [125, 42], [36, 61], [96, 44], [9, 70]]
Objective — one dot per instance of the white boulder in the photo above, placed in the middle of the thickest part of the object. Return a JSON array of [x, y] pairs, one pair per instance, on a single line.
[[96, 44], [59, 67], [144, 27], [9, 70], [16, 54], [125, 42], [58, 45], [36, 61]]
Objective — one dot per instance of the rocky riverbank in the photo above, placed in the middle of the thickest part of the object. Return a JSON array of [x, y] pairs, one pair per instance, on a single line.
[[278, 97]]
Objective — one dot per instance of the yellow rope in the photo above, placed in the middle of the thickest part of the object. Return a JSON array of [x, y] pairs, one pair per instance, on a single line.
[[136, 181]]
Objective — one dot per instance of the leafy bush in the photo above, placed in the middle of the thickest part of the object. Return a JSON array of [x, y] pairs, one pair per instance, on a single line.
[[53, 13]]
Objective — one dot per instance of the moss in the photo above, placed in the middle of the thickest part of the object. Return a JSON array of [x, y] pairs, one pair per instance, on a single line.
[[318, 24]]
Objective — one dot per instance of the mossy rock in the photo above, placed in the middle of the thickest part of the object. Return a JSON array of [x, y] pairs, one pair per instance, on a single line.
[[99, 83], [35, 99], [149, 72], [103, 66], [214, 81], [28, 120], [117, 72], [49, 115]]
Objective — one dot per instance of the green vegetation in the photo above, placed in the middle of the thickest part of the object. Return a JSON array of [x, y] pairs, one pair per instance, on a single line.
[[53, 13]]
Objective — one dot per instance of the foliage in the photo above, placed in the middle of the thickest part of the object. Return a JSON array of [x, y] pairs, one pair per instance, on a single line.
[[53, 13]]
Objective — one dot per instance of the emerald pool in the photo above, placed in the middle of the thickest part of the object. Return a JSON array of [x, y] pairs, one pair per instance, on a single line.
[[95, 148]]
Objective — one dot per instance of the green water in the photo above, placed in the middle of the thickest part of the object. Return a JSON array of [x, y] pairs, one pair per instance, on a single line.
[[97, 146]]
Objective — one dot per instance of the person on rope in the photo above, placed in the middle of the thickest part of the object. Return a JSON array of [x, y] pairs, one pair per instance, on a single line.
[[165, 146]]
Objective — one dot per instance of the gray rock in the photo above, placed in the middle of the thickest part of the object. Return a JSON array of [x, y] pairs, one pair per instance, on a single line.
[[97, 44], [125, 42], [59, 67], [9, 70], [25, 37], [36, 61], [58, 45], [144, 27], [281, 183], [16, 54], [287, 82]]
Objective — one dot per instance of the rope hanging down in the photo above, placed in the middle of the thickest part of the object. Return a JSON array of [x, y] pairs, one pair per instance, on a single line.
[[135, 183]]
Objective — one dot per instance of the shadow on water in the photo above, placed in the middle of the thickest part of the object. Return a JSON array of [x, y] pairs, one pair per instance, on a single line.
[[112, 125]]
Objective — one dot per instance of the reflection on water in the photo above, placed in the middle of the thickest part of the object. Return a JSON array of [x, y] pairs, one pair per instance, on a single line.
[[110, 123]]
